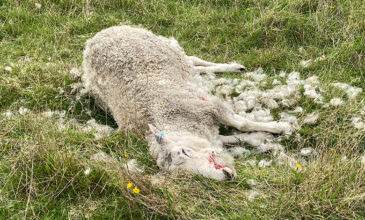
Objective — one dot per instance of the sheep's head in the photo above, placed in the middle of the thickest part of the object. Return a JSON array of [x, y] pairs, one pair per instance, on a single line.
[[184, 155]]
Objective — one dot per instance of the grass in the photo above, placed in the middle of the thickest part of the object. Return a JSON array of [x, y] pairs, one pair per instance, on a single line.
[[42, 168]]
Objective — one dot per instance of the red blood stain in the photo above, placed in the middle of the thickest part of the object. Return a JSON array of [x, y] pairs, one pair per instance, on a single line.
[[202, 98], [216, 166]]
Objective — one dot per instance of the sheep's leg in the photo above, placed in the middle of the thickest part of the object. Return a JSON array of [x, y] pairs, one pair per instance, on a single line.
[[244, 124], [226, 116], [195, 61], [203, 66], [255, 138]]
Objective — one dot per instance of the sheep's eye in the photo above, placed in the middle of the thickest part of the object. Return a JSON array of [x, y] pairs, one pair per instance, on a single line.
[[184, 152]]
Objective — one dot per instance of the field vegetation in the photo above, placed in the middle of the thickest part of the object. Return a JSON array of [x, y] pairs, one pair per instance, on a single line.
[[48, 173]]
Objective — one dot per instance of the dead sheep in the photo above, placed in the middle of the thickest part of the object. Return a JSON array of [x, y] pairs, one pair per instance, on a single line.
[[149, 84]]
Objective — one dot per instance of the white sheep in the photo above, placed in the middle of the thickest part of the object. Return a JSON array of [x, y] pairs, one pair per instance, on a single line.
[[148, 82]]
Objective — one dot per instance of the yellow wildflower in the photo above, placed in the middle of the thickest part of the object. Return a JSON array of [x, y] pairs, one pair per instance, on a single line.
[[332, 7], [126, 155], [123, 117], [350, 16], [248, 9], [163, 105], [147, 176], [136, 190], [298, 166], [129, 185]]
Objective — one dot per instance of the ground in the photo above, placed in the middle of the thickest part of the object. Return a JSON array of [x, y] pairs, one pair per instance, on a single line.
[[48, 173]]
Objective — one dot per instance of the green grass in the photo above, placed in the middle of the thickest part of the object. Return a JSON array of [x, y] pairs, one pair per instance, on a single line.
[[42, 168]]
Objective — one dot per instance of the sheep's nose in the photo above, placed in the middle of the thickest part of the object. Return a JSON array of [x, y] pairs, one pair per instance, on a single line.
[[228, 173]]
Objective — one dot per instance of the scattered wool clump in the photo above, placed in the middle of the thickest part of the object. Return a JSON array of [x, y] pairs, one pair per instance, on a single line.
[[225, 90], [311, 92], [284, 158], [265, 147], [91, 125], [251, 162], [23, 110], [297, 110], [306, 63], [282, 74], [311, 118], [358, 123], [362, 111], [50, 114], [37, 5], [102, 157], [257, 75], [239, 151], [258, 114], [252, 195], [240, 106], [8, 69], [264, 163], [251, 182], [8, 114], [289, 118], [75, 72], [87, 171], [132, 167], [313, 80], [336, 102], [100, 130], [158, 180], [352, 92], [362, 160], [276, 82], [306, 151]]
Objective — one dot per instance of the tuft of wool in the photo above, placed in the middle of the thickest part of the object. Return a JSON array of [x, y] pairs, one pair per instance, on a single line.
[[336, 102], [264, 163], [239, 151], [311, 118], [23, 110], [306, 151], [358, 123], [132, 166], [352, 92]]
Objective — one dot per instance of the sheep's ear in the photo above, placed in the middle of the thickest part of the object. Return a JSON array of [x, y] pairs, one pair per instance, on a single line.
[[152, 128], [160, 136]]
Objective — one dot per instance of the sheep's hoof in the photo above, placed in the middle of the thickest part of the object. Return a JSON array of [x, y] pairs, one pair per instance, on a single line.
[[242, 69]]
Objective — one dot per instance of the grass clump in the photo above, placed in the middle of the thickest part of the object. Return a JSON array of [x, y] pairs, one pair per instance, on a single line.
[[42, 168]]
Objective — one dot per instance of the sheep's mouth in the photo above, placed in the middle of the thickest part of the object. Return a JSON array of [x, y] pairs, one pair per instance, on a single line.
[[212, 161]]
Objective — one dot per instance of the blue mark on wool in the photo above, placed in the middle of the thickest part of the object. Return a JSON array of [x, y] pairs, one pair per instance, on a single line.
[[160, 134]]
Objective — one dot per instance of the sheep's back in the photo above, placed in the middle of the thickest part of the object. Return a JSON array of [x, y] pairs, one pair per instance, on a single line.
[[123, 70]]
